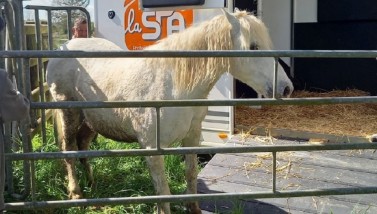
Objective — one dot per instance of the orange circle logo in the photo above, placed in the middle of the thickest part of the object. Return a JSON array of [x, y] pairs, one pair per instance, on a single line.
[[145, 28]]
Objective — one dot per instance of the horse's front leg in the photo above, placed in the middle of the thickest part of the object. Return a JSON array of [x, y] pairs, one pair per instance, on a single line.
[[68, 120], [191, 170], [157, 170]]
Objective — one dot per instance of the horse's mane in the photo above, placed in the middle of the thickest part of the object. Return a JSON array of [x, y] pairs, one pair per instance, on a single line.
[[214, 34], [254, 30], [188, 72]]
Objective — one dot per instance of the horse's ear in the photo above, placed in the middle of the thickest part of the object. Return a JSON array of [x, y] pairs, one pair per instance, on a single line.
[[236, 26]]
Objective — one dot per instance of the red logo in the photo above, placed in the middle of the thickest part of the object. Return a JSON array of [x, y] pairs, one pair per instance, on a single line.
[[145, 28]]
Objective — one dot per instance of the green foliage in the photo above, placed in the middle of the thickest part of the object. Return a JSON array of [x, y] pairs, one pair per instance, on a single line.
[[238, 207], [114, 177], [61, 16], [80, 3]]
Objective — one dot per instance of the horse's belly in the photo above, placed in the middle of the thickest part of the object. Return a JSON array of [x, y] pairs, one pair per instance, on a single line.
[[176, 124], [139, 124], [109, 124], [173, 132]]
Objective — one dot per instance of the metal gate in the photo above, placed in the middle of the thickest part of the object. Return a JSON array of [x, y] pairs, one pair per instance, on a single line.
[[29, 157], [17, 36]]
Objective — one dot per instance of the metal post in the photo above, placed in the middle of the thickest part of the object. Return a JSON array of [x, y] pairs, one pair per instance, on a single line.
[[16, 41], [49, 23], [292, 69], [276, 68], [2, 36], [158, 134], [69, 23], [40, 74], [273, 172], [26, 137]]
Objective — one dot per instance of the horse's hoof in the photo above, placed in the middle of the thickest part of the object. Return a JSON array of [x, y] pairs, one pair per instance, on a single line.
[[193, 209], [196, 211], [91, 184], [73, 195], [373, 138]]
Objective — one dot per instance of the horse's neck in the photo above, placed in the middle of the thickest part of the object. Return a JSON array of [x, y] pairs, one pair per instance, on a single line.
[[201, 90]]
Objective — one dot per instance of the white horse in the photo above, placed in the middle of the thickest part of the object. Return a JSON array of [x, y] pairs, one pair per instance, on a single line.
[[108, 79]]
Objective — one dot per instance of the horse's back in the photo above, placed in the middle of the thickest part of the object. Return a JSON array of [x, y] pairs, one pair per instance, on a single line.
[[90, 44], [64, 73]]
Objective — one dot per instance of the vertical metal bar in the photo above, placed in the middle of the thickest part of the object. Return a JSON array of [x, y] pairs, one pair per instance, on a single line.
[[49, 24], [19, 40], [292, 70], [40, 75], [9, 68], [276, 67], [260, 9], [69, 23], [37, 29], [158, 143], [2, 39], [2, 164], [158, 114], [274, 172], [29, 167], [9, 37], [8, 163], [18, 43]]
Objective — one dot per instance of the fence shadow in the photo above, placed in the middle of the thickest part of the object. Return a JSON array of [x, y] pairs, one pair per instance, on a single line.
[[237, 205]]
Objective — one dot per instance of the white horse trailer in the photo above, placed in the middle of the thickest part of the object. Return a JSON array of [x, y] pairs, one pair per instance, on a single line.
[[133, 27]]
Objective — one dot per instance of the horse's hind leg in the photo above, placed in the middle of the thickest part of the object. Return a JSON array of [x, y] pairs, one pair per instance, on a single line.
[[69, 120], [157, 170], [84, 137], [191, 170]]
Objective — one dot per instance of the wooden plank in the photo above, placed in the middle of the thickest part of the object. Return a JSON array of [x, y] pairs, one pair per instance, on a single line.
[[30, 28], [34, 61]]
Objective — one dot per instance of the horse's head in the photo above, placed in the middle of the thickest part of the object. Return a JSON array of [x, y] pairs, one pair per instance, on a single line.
[[249, 33]]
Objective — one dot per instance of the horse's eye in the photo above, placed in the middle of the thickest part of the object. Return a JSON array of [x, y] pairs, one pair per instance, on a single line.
[[254, 46]]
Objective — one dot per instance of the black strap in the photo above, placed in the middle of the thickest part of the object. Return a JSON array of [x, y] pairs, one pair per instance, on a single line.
[[170, 3]]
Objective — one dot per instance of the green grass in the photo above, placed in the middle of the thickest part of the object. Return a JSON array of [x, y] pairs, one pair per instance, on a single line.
[[114, 177]]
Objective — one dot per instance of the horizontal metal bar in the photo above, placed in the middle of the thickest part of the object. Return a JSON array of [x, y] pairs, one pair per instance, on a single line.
[[187, 197], [215, 130], [186, 150], [203, 102], [191, 53], [41, 7]]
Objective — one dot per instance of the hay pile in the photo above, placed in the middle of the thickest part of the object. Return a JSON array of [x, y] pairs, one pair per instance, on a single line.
[[338, 119]]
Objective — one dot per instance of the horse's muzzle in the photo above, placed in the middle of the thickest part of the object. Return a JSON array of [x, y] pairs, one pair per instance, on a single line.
[[287, 91], [282, 91]]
